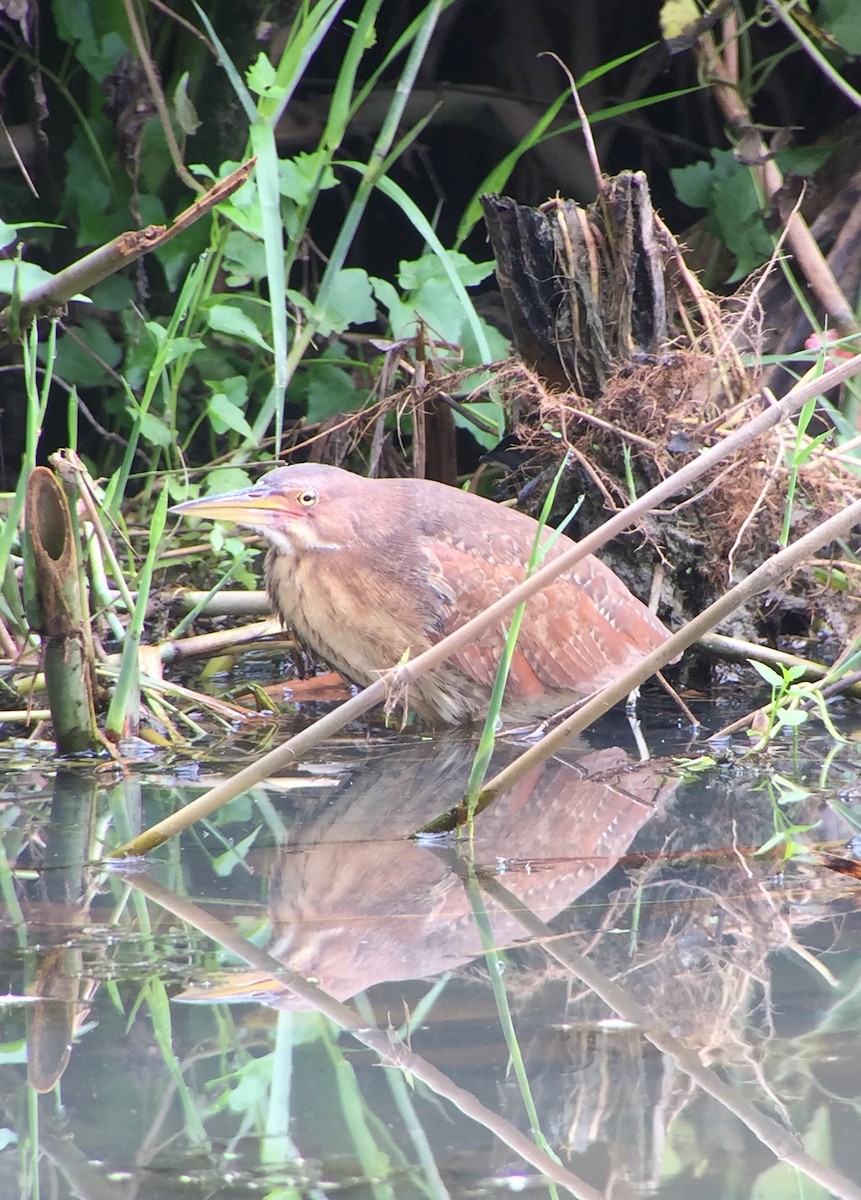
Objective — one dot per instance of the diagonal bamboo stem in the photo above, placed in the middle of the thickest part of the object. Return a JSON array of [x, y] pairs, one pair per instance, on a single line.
[[771, 572], [400, 677], [782, 1142]]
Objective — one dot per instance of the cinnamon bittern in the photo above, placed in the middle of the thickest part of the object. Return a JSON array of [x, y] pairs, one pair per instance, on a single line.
[[366, 571]]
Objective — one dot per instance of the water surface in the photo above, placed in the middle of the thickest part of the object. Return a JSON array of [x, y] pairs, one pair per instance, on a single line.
[[608, 986]]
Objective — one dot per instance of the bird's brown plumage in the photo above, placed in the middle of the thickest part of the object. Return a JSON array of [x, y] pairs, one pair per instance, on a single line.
[[367, 570]]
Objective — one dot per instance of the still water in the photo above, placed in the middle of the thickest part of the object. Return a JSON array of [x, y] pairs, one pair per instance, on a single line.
[[611, 990]]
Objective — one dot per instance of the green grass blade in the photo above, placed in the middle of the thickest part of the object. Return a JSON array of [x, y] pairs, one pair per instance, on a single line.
[[497, 178], [487, 741], [371, 176], [127, 684], [266, 178], [236, 80], [495, 960], [423, 226]]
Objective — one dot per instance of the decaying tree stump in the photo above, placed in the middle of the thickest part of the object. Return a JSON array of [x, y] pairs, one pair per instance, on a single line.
[[583, 288], [627, 362]]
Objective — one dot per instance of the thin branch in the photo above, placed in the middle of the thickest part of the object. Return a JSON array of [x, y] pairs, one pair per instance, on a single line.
[[158, 99], [124, 249]]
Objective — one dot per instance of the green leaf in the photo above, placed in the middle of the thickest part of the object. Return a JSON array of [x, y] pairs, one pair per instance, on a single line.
[[82, 360], [791, 792], [186, 113], [153, 429], [80, 23], [28, 276], [412, 275], [497, 343], [244, 258], [262, 78], [693, 183], [792, 718], [177, 255], [113, 294], [774, 840], [228, 319], [803, 160], [235, 856], [331, 391], [224, 415], [8, 233], [437, 305], [182, 346], [350, 301], [402, 320], [726, 190], [771, 677], [842, 19], [226, 479], [87, 194], [178, 345], [300, 177]]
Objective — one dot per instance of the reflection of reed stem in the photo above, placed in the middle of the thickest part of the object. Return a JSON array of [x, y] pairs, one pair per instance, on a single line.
[[384, 1043], [780, 1141]]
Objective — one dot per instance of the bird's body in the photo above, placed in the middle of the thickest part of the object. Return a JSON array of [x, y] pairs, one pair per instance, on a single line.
[[366, 571]]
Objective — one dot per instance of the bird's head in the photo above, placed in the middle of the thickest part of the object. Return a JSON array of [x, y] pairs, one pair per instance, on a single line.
[[305, 507]]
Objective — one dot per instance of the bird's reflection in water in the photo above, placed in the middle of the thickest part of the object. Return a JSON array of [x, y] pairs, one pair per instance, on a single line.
[[351, 906]]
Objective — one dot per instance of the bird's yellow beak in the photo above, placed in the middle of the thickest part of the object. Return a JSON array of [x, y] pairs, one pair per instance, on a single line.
[[250, 506]]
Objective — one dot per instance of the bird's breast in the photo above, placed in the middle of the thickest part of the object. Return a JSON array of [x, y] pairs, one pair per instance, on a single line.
[[361, 616]]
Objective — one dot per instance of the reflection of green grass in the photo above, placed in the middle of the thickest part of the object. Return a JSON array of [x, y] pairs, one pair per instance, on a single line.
[[496, 963], [787, 833], [376, 1163]]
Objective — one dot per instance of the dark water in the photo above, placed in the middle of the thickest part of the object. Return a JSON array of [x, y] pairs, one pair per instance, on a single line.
[[609, 986]]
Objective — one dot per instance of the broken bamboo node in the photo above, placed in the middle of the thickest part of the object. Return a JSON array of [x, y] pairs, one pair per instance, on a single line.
[[55, 612]]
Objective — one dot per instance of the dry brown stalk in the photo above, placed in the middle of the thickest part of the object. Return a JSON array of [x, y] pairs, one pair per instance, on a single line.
[[811, 261], [124, 249]]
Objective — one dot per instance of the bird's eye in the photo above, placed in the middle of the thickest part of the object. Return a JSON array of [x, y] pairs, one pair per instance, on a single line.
[[307, 497]]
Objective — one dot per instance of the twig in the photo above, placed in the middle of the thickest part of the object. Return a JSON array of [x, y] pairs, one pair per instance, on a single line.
[[626, 435], [809, 257], [586, 128], [775, 569], [124, 249], [159, 100]]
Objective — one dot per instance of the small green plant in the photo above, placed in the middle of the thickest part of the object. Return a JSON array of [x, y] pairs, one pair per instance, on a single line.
[[792, 702], [787, 833], [798, 456]]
